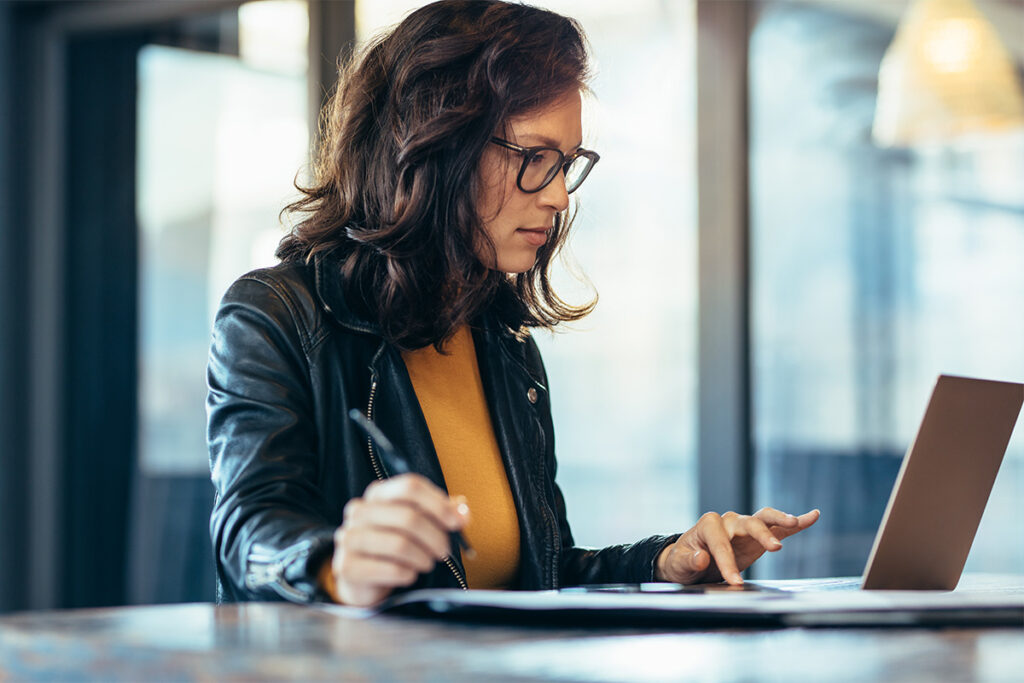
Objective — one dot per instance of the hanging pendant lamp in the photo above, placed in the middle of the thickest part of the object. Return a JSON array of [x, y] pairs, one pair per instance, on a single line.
[[945, 76]]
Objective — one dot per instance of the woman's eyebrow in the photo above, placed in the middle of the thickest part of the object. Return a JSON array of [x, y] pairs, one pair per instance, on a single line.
[[548, 142]]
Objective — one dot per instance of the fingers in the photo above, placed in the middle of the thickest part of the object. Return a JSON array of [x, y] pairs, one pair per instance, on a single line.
[[809, 518], [704, 553], [774, 517], [681, 562], [395, 519], [419, 492], [719, 547], [363, 581], [750, 537], [376, 572], [714, 537], [755, 528], [395, 545], [399, 529], [784, 525], [369, 562]]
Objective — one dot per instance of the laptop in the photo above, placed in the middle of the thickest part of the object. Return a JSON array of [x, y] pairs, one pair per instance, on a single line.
[[941, 490], [943, 485], [915, 563]]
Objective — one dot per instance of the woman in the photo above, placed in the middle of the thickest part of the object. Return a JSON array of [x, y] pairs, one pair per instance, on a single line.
[[407, 292]]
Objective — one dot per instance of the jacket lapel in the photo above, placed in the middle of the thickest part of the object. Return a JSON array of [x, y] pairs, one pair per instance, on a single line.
[[521, 439], [396, 411]]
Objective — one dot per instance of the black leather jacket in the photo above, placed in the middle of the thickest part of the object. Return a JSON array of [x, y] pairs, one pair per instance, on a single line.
[[288, 361]]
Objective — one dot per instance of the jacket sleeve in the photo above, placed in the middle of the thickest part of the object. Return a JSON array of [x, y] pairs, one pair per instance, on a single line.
[[269, 528], [626, 563]]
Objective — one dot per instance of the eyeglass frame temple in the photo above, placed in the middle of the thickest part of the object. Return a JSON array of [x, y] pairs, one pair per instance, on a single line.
[[593, 156]]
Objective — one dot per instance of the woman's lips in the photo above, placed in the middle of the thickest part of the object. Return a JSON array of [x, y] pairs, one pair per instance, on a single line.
[[534, 236]]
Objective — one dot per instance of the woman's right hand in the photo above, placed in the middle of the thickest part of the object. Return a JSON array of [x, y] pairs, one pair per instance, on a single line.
[[398, 530]]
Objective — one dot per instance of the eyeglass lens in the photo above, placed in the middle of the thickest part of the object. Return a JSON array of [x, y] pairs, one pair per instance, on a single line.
[[541, 167]]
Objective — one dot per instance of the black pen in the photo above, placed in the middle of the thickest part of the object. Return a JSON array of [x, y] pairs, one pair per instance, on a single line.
[[397, 464]]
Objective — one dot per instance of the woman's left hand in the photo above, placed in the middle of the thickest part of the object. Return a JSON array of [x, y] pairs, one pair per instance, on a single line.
[[719, 547]]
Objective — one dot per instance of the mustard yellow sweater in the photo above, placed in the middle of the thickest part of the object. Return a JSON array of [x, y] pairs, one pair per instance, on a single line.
[[451, 395]]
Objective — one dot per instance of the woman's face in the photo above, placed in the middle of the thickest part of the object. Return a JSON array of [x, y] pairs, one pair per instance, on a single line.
[[519, 223]]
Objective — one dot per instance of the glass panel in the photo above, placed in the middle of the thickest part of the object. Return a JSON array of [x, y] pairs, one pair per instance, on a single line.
[[219, 140], [623, 380], [873, 272]]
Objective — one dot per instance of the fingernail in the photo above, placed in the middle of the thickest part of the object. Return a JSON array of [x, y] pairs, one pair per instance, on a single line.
[[776, 543], [462, 509]]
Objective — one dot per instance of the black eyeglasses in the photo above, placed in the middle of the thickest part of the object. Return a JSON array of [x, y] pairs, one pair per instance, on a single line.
[[541, 166]]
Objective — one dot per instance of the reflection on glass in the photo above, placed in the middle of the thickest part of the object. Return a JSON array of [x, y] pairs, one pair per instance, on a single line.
[[219, 142], [873, 272], [623, 379]]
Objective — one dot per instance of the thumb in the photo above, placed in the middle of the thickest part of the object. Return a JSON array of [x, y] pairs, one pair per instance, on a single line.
[[699, 560], [688, 565]]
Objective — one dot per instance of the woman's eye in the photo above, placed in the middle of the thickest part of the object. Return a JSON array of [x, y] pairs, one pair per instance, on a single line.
[[542, 158]]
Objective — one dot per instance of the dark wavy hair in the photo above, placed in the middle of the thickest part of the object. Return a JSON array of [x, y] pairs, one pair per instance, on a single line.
[[394, 200]]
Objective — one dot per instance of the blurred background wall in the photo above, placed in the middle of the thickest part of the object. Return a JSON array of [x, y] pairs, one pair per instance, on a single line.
[[785, 286]]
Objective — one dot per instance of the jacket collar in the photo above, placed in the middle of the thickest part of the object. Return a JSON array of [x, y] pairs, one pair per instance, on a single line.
[[331, 292], [330, 289]]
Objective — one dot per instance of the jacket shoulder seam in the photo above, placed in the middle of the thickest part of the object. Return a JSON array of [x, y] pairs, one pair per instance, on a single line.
[[294, 310]]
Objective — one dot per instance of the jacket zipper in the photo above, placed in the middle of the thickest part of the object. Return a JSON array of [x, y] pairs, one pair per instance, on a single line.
[[267, 569], [549, 518], [378, 470]]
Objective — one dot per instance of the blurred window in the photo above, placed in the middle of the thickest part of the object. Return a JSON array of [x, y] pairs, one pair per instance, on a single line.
[[220, 139], [623, 379], [873, 272]]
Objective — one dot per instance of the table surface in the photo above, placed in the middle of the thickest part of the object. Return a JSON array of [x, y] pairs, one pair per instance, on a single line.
[[275, 641]]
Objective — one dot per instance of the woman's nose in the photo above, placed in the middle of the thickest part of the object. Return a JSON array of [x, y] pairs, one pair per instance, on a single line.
[[554, 194]]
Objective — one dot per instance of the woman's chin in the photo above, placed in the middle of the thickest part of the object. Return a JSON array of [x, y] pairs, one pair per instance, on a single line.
[[516, 266]]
